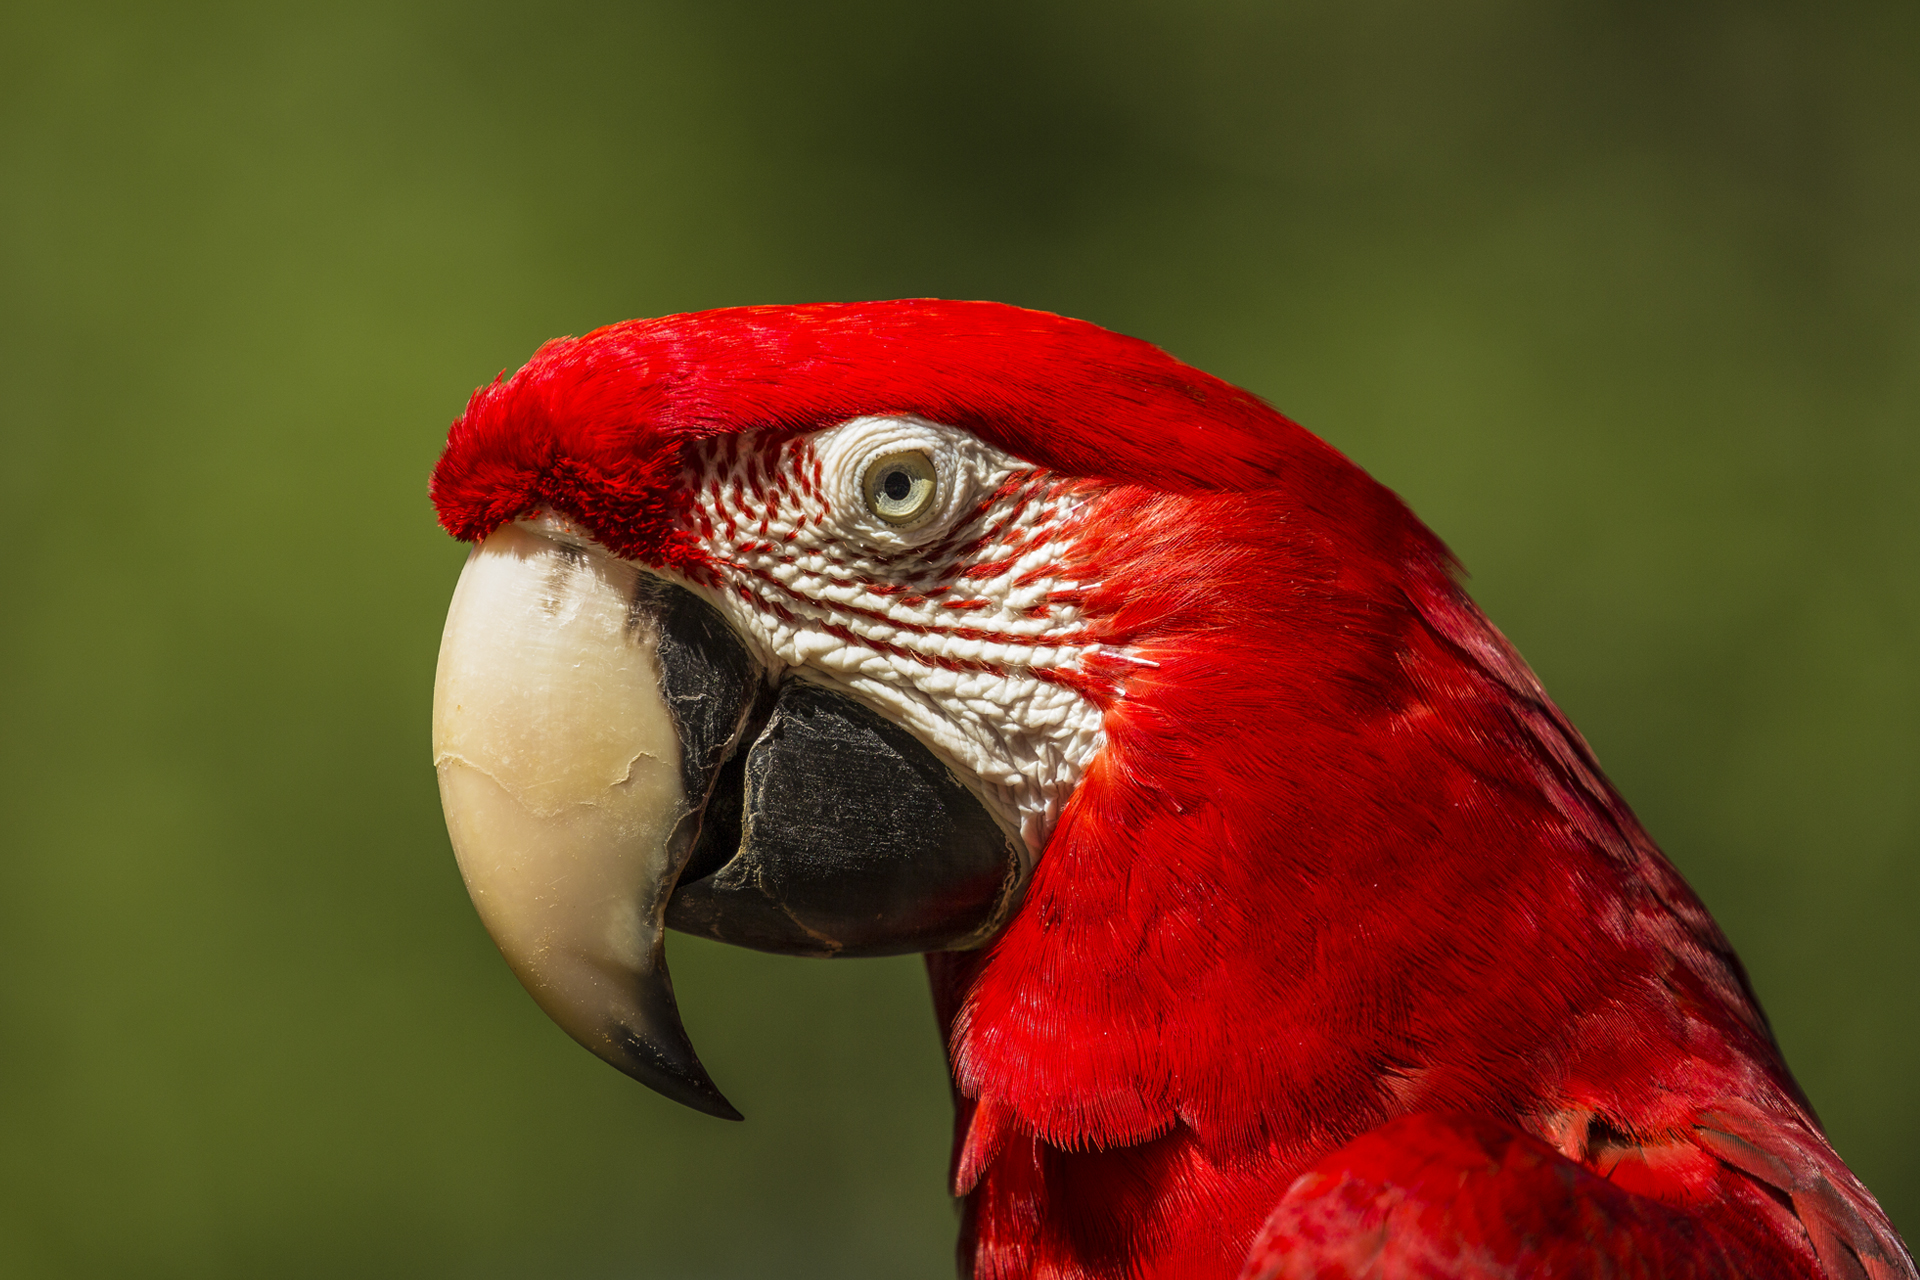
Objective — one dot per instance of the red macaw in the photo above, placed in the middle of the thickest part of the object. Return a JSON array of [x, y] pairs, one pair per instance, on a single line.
[[1280, 923]]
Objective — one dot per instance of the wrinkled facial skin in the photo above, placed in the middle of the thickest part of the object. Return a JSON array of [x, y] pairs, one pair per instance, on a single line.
[[965, 626]]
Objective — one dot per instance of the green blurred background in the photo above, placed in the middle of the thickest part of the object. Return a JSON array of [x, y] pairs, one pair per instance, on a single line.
[[1623, 297]]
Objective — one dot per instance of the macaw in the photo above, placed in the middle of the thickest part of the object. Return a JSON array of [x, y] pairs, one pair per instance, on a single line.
[[1280, 924]]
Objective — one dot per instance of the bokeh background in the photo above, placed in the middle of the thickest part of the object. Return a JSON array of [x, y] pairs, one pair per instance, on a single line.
[[1624, 297]]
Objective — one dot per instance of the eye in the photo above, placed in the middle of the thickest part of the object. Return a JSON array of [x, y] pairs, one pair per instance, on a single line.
[[900, 488]]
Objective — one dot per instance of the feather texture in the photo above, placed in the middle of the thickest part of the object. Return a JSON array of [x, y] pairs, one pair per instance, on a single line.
[[1343, 918]]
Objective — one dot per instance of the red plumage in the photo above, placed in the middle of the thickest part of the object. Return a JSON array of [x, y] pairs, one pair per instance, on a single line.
[[1445, 1195], [1340, 863]]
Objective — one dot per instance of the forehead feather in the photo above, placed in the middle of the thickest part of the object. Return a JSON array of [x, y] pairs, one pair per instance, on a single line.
[[598, 421]]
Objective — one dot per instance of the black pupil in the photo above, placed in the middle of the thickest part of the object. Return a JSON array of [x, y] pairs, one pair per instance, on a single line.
[[897, 485]]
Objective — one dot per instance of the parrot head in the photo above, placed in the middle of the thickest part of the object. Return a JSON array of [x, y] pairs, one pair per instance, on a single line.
[[805, 628], [1231, 828]]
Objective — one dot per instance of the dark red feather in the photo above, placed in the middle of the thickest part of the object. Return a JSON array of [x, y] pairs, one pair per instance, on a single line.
[[1426, 1197]]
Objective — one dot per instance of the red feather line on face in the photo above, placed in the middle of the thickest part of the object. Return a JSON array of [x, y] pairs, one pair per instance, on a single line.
[[1340, 860]]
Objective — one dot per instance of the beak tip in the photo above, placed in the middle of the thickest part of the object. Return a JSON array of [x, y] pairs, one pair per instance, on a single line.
[[654, 1062]]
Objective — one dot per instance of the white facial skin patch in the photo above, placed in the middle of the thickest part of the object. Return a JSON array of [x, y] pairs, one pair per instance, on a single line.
[[958, 621]]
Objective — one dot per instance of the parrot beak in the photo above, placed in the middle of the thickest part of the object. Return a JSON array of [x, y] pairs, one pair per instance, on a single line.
[[612, 761], [564, 781]]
